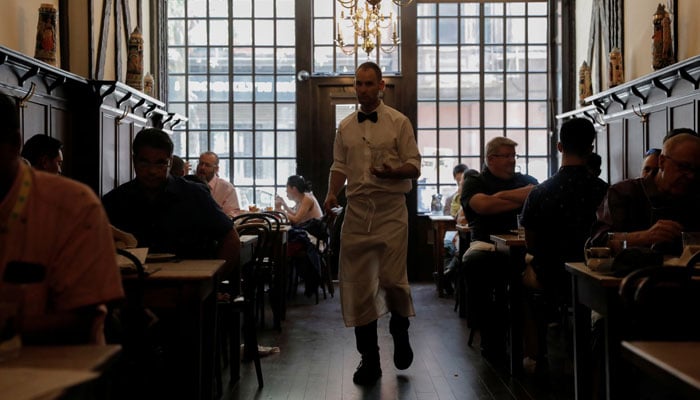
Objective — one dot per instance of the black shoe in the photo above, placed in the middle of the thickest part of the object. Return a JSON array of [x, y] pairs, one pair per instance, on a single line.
[[367, 373], [403, 354]]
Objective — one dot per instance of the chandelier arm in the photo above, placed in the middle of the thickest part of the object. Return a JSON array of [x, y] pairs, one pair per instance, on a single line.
[[348, 3], [367, 23]]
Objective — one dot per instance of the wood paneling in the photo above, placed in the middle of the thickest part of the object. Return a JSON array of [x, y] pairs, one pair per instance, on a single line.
[[637, 115], [95, 120]]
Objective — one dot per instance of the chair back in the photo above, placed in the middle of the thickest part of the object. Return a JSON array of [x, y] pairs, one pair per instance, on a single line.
[[261, 230], [662, 303], [282, 217]]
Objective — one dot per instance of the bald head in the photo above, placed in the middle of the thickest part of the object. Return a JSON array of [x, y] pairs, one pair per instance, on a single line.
[[683, 139], [679, 164]]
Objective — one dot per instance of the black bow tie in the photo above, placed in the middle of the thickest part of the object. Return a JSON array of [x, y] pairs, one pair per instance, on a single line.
[[361, 117]]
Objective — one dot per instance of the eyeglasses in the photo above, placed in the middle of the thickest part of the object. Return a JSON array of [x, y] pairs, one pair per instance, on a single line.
[[508, 156], [160, 165], [684, 167]]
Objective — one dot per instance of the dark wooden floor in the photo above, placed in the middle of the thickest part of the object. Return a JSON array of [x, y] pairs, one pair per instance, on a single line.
[[317, 359]]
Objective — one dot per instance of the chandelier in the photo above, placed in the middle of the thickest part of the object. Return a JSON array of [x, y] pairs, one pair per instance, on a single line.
[[367, 24]]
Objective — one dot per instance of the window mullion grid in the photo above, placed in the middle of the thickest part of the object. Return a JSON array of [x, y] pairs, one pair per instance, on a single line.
[[527, 91], [186, 79], [482, 82], [208, 77], [504, 94], [460, 35], [438, 99], [276, 94], [254, 117], [231, 104]]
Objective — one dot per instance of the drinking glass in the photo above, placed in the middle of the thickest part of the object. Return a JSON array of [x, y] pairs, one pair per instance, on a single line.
[[617, 242], [691, 242], [521, 229]]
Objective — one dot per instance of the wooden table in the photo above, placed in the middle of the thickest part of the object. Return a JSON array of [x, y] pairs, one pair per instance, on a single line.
[[598, 292], [672, 366], [464, 238], [440, 224], [514, 247], [186, 289], [45, 372]]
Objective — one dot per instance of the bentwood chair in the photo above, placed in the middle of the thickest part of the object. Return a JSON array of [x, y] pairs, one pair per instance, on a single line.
[[326, 250], [270, 268], [281, 216], [242, 302], [662, 303]]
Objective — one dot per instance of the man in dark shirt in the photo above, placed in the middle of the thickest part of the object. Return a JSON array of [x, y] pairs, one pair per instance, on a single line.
[[44, 153], [168, 214], [491, 202], [558, 216], [559, 213], [653, 211]]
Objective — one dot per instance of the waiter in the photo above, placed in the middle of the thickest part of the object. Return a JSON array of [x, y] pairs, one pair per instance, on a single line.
[[375, 151]]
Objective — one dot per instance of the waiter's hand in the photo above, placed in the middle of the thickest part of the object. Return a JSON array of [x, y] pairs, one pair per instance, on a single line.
[[330, 203], [386, 172]]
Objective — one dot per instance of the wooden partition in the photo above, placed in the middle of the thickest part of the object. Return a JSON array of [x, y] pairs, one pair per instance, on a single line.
[[636, 115], [95, 120], [44, 94]]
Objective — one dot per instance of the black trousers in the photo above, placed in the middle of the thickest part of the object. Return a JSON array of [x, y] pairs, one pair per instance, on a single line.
[[366, 335]]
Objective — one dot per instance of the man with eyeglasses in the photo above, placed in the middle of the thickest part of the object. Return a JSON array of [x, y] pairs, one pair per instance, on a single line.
[[653, 211], [491, 202], [169, 214], [222, 190], [651, 162]]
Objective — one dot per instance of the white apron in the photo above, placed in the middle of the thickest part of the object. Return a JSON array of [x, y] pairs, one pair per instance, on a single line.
[[373, 247]]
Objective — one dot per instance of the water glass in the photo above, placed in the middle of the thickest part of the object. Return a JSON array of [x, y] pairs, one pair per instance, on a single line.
[[521, 229], [617, 242], [691, 242]]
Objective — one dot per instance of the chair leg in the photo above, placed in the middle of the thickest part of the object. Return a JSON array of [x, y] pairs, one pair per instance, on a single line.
[[251, 341], [260, 303], [471, 337]]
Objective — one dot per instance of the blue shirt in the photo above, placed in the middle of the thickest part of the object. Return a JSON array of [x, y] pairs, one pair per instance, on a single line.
[[182, 219]]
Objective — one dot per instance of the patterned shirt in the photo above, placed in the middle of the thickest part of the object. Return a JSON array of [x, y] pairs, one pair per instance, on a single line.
[[560, 212], [63, 228]]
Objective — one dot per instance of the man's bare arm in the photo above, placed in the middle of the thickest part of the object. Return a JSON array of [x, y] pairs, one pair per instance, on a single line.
[[336, 180]]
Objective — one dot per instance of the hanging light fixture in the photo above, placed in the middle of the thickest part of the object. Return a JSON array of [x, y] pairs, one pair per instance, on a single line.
[[367, 24]]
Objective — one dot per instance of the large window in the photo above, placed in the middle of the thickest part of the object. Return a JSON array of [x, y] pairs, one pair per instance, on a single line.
[[482, 73], [231, 67]]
